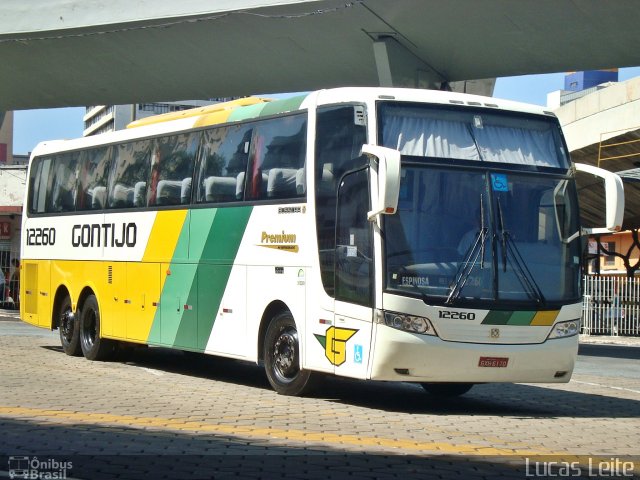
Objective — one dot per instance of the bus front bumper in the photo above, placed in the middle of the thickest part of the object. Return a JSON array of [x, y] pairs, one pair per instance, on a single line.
[[403, 356]]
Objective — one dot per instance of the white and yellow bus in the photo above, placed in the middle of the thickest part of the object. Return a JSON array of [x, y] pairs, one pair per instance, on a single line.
[[386, 234]]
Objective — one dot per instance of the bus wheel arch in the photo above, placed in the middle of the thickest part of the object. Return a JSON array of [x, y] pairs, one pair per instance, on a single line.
[[274, 308], [66, 321], [60, 295], [280, 352]]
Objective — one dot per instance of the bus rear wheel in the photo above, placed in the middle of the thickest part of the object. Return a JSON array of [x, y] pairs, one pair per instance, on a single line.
[[282, 357], [447, 390], [69, 328], [94, 347]]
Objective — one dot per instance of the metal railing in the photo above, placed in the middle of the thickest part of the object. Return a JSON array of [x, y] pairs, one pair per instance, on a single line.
[[611, 306], [10, 290]]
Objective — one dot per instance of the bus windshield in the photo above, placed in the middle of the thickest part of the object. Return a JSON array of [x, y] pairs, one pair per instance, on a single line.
[[473, 235], [476, 237]]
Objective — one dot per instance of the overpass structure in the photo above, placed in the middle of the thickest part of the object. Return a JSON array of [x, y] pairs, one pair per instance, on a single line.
[[603, 129], [84, 52]]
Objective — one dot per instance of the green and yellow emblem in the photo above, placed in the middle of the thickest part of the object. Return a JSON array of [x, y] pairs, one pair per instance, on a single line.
[[335, 344]]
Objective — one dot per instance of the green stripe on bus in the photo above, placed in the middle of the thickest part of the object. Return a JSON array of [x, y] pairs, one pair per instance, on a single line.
[[179, 287], [245, 113], [521, 318], [265, 109], [282, 106], [223, 242], [499, 317], [163, 333], [212, 272], [215, 236], [225, 235]]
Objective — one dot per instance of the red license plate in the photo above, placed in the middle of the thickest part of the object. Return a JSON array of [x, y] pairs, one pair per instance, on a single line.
[[494, 362]]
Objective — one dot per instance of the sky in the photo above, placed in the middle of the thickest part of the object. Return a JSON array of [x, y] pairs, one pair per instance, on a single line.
[[34, 126]]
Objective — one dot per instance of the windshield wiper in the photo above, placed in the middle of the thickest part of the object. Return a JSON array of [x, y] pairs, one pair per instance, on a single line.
[[504, 235], [468, 263], [477, 250], [510, 252]]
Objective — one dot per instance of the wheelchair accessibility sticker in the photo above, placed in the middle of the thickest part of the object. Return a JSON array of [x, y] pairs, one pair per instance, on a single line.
[[357, 353], [499, 182]]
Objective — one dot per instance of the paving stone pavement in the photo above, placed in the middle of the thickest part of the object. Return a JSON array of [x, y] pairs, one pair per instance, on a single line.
[[156, 413]]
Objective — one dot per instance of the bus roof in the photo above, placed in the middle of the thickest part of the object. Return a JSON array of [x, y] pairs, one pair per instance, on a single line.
[[216, 108], [256, 107]]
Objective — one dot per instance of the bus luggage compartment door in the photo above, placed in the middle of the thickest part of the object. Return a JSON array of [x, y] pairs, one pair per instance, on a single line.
[[36, 293]]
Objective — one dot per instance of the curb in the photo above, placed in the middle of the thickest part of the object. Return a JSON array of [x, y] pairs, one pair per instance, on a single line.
[[609, 340]]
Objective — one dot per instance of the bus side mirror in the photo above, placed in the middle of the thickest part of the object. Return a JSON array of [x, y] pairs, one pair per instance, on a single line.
[[388, 179], [614, 199]]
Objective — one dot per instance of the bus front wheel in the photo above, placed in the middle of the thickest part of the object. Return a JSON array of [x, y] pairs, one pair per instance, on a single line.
[[447, 389], [282, 357], [94, 347], [69, 329]]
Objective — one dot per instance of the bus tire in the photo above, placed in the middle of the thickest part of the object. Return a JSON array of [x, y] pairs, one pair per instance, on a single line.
[[282, 357], [447, 390], [69, 328], [94, 347]]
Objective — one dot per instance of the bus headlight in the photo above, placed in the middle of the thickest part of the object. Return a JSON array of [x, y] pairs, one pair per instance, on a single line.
[[565, 329], [409, 323]]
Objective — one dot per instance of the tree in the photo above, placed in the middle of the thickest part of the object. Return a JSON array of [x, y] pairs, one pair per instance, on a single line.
[[626, 258]]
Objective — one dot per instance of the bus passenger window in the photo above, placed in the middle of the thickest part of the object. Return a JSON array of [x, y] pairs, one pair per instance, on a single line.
[[38, 181], [93, 174], [223, 161], [129, 174], [277, 159], [172, 164], [63, 183]]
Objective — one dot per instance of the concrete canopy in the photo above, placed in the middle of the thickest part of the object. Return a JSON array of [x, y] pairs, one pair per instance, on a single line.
[[625, 160], [70, 52]]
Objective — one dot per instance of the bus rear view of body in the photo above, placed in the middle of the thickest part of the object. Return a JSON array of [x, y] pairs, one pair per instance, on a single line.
[[386, 234]]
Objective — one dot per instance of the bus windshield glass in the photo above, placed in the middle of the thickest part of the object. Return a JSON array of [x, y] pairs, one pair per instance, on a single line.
[[474, 135], [476, 236], [472, 237]]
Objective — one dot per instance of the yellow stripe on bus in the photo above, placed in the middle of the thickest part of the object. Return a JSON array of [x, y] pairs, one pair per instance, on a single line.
[[164, 236], [208, 111], [212, 119], [545, 318]]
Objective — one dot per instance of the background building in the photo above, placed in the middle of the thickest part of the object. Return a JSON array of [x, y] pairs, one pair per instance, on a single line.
[[579, 84], [6, 138], [108, 118], [12, 187]]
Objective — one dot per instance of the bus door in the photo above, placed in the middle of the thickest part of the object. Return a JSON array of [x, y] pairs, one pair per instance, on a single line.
[[349, 340]]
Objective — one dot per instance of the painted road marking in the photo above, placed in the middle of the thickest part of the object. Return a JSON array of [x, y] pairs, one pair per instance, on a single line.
[[605, 386], [185, 425], [509, 453]]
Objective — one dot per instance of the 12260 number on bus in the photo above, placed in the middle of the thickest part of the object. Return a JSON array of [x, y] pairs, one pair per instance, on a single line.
[[41, 236], [457, 315]]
